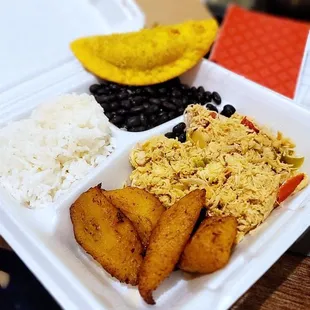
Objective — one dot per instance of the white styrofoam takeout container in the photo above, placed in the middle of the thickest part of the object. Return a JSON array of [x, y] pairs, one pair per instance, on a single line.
[[44, 238]]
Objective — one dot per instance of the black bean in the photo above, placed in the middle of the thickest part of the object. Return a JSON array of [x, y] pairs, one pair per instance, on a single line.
[[172, 114], [194, 98], [216, 97], [137, 100], [146, 105], [182, 137], [228, 110], [137, 129], [208, 97], [176, 101], [138, 91], [110, 84], [129, 89], [179, 128], [114, 87], [169, 106], [163, 118], [153, 118], [117, 119], [106, 107], [201, 90], [154, 100], [176, 93], [111, 98], [150, 90], [137, 109], [143, 128], [102, 98], [170, 135], [192, 101], [211, 107], [133, 121], [180, 111], [184, 87], [102, 91], [162, 90], [94, 88], [152, 109], [122, 95], [143, 120], [194, 92], [185, 101], [201, 98], [189, 93], [114, 106], [122, 112], [126, 104], [108, 114]]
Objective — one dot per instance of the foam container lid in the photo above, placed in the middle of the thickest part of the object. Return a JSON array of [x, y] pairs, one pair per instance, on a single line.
[[35, 53], [44, 238]]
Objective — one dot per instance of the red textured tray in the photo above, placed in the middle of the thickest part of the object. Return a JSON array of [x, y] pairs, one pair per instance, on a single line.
[[265, 49]]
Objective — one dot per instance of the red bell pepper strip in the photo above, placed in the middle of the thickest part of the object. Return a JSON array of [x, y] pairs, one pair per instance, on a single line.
[[249, 124], [213, 115], [287, 188]]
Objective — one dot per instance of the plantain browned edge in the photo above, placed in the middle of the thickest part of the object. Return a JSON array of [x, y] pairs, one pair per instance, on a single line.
[[210, 248], [112, 271], [144, 211], [161, 255]]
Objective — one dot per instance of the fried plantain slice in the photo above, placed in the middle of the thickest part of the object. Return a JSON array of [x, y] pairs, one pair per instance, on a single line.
[[167, 242], [107, 235], [210, 247], [142, 208]]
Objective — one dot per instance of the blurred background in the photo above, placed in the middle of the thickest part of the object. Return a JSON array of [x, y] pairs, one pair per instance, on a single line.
[[26, 293], [174, 11], [297, 9]]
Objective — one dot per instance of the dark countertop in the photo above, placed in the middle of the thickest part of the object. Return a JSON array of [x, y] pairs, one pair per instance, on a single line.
[[286, 285]]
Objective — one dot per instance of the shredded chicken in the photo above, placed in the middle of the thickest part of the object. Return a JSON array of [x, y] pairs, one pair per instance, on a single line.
[[240, 169]]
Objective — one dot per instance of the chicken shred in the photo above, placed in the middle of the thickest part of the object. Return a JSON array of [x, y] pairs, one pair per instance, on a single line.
[[241, 170]]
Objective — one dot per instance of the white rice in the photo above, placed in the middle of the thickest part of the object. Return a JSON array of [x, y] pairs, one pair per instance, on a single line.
[[43, 156]]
